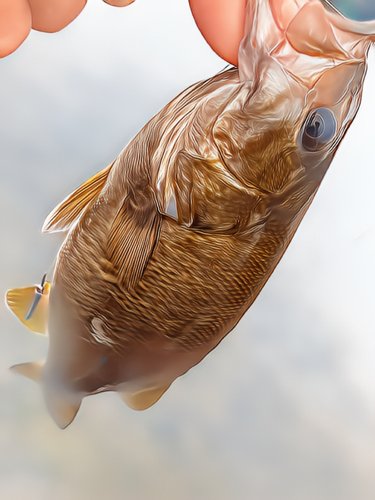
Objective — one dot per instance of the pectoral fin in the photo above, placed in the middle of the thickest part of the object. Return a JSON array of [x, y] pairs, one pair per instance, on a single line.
[[143, 399], [30, 305], [132, 240]]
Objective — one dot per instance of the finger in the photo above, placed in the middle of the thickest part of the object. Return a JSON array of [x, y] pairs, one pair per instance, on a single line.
[[119, 3], [53, 15], [222, 23], [15, 24]]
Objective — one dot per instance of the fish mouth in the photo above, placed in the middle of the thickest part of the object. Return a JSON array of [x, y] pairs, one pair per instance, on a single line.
[[352, 15]]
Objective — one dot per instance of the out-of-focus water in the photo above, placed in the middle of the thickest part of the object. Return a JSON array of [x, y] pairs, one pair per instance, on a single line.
[[284, 408]]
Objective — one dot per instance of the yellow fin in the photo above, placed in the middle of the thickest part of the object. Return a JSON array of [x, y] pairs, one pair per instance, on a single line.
[[69, 210], [20, 300], [143, 399], [29, 370]]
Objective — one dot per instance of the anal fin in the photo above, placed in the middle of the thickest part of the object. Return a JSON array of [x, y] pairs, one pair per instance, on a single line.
[[143, 399]]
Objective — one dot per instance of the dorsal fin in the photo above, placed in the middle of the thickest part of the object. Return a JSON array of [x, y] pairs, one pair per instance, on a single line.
[[143, 399], [20, 300], [69, 210], [131, 241]]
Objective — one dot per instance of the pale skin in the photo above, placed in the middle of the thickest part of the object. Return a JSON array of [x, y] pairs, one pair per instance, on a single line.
[[220, 21]]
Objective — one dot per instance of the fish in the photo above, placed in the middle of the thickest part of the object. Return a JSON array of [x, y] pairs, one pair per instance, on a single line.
[[168, 246]]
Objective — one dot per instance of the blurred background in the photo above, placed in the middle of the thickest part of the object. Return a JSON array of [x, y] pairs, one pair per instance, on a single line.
[[284, 408]]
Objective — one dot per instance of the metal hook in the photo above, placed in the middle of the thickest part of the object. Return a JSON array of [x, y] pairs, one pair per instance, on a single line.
[[37, 296]]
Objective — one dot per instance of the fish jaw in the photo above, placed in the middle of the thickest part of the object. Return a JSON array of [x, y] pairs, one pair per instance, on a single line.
[[312, 56], [303, 36]]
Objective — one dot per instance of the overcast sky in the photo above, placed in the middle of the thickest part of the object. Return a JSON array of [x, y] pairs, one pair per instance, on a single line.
[[284, 408]]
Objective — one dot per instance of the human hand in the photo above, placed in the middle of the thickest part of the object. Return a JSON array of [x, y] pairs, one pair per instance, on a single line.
[[18, 17]]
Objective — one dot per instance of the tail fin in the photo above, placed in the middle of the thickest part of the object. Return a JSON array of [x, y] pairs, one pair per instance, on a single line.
[[62, 405], [30, 370]]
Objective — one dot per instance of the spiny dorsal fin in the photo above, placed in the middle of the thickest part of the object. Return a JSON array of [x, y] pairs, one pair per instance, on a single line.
[[20, 300], [132, 239], [143, 399], [69, 210], [29, 370]]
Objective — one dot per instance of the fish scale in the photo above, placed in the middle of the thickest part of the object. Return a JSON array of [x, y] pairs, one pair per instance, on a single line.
[[240, 288]]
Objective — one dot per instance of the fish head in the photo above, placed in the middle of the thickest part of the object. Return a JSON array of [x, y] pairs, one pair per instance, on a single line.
[[305, 65]]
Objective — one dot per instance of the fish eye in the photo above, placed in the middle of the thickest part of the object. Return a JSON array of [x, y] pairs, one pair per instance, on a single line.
[[356, 10], [319, 129]]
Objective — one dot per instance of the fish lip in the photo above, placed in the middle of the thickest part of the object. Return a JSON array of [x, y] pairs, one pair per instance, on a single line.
[[346, 24]]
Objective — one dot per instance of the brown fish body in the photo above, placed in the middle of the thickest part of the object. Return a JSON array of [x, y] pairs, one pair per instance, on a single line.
[[169, 246], [180, 282]]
